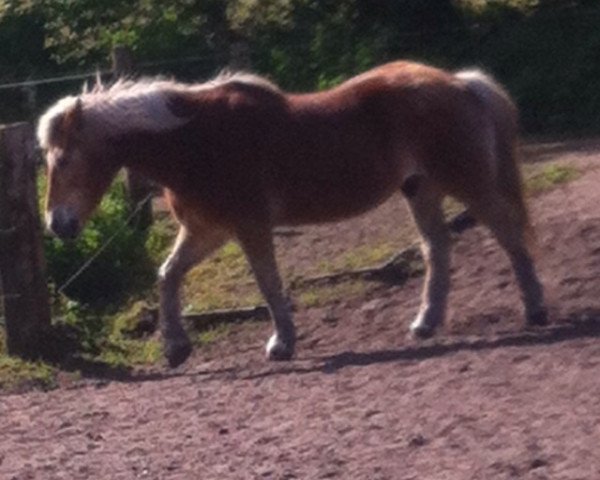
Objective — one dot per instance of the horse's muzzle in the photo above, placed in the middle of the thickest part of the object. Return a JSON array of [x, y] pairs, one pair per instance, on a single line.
[[63, 222]]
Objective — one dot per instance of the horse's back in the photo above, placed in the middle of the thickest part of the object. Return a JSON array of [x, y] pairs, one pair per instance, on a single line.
[[303, 158], [349, 148]]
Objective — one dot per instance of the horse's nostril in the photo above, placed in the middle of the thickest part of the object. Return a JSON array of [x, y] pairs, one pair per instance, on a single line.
[[53, 224], [64, 225], [71, 228]]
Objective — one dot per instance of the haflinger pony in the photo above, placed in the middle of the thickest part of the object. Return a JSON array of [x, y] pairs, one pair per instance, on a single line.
[[238, 156]]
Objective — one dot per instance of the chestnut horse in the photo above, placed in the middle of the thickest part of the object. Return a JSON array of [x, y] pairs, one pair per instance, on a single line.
[[238, 156]]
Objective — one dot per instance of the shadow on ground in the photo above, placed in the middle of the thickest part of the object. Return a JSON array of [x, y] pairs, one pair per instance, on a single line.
[[578, 325], [584, 324]]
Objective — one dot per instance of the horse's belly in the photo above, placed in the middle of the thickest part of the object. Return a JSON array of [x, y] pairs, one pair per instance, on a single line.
[[329, 200]]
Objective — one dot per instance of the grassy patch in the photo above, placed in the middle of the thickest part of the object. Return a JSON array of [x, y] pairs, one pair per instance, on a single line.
[[360, 257], [541, 179], [124, 323], [16, 374], [118, 348], [452, 207], [213, 334], [125, 353], [223, 281], [161, 237], [321, 295]]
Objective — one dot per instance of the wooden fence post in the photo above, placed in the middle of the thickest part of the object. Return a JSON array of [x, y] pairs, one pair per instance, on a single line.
[[138, 187], [25, 292]]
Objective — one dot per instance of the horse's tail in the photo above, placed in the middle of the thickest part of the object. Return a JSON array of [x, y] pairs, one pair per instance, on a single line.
[[504, 118]]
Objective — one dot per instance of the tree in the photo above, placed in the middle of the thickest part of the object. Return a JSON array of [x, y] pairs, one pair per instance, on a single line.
[[82, 32]]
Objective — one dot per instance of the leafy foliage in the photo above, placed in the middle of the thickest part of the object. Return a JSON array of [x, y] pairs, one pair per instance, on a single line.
[[545, 51], [84, 31], [122, 268]]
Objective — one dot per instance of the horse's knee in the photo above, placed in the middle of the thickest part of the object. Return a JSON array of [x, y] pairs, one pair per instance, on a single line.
[[164, 270], [167, 275]]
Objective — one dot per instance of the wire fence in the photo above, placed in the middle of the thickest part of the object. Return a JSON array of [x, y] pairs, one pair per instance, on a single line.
[[70, 77], [136, 211], [23, 99]]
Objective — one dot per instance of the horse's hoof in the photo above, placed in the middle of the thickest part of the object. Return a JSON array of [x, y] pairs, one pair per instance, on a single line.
[[177, 352], [278, 350], [538, 319], [421, 331]]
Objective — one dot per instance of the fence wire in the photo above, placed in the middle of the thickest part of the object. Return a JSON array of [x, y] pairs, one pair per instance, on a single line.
[[83, 267], [31, 83], [103, 247], [545, 14]]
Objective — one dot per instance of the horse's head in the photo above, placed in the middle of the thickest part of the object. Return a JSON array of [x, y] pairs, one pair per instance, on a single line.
[[80, 168]]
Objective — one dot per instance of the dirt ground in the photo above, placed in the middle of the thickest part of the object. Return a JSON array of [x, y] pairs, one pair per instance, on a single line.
[[483, 400]]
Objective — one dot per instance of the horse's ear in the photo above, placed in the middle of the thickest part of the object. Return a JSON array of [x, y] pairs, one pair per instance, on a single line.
[[73, 120], [98, 86]]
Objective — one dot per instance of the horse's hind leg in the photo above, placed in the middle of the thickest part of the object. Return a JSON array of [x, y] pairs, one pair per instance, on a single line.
[[257, 243], [508, 224], [426, 209], [188, 251]]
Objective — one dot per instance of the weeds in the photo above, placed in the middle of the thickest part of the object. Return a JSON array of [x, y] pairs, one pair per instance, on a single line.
[[16, 374], [212, 334], [319, 296], [550, 176]]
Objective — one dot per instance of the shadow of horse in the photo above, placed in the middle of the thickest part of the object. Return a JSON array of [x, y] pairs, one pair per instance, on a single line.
[[578, 325], [100, 374]]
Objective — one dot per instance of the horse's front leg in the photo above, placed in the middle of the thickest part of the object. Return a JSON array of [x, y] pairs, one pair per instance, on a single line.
[[257, 243], [427, 212], [188, 251]]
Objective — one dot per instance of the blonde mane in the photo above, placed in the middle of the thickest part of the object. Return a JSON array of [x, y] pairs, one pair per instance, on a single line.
[[141, 105]]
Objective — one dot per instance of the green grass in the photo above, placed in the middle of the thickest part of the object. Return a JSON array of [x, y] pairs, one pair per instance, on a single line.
[[16, 374], [118, 348], [223, 281], [126, 353], [322, 295], [212, 334], [364, 256], [539, 179]]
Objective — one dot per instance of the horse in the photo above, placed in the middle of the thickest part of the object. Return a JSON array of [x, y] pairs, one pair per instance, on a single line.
[[238, 156]]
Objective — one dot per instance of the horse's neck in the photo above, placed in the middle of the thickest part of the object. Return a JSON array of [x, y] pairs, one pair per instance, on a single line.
[[145, 154]]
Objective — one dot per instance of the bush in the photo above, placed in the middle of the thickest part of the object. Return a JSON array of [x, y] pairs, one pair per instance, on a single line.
[[121, 270]]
